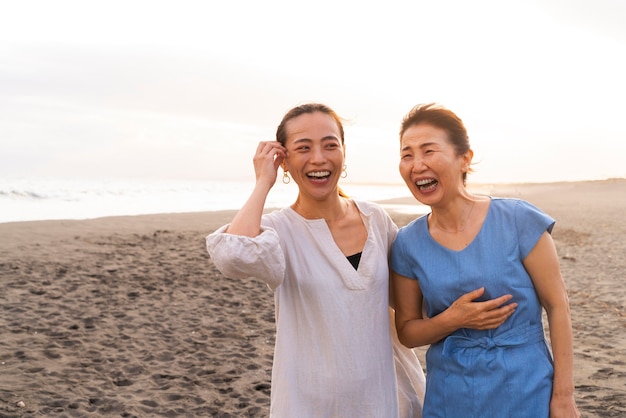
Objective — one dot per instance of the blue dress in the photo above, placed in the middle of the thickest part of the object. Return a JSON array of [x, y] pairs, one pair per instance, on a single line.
[[505, 372]]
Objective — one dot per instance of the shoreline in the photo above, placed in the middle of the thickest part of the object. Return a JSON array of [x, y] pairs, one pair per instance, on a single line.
[[127, 314], [406, 199]]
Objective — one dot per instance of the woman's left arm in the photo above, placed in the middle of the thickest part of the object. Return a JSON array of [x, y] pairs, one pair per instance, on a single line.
[[542, 263]]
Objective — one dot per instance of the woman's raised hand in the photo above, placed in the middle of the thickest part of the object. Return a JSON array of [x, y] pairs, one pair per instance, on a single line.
[[268, 157]]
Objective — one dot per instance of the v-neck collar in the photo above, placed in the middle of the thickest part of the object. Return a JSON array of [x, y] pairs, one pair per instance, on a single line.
[[354, 279], [475, 239]]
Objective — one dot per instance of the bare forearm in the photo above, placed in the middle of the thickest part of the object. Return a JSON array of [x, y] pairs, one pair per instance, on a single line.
[[562, 350], [464, 312], [419, 332], [247, 221]]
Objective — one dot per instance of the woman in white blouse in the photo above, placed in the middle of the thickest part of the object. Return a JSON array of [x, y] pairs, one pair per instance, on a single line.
[[326, 259]]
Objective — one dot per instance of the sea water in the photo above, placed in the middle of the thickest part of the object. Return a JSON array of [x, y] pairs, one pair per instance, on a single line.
[[41, 199]]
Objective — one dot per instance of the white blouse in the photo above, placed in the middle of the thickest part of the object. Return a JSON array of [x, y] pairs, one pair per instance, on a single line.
[[335, 348]]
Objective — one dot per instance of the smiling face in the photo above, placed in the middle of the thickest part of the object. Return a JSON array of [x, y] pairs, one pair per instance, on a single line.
[[430, 164], [315, 154]]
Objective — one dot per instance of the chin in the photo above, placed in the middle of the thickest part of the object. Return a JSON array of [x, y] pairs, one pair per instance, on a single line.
[[418, 197]]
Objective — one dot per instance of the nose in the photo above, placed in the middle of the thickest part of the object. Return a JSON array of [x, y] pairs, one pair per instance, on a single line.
[[317, 155], [418, 165]]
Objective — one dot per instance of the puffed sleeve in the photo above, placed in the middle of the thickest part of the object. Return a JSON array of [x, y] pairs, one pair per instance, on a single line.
[[244, 257]]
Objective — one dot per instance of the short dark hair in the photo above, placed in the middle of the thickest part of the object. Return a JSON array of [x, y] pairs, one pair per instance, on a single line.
[[440, 117]]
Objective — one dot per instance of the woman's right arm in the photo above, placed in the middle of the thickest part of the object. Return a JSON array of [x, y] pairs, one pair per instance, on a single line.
[[240, 250], [414, 330], [268, 157]]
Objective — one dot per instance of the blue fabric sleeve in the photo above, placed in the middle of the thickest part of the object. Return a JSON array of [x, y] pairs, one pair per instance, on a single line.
[[399, 259], [531, 223]]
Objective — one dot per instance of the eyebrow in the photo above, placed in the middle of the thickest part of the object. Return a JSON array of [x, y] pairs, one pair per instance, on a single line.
[[422, 146], [326, 138]]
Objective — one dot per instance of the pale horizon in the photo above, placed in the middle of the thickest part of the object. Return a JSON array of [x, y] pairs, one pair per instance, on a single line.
[[176, 91]]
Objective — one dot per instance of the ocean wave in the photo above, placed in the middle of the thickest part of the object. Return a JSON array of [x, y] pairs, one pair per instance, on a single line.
[[26, 200], [26, 194]]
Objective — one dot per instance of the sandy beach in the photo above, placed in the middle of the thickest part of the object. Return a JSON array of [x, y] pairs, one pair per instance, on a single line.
[[128, 317]]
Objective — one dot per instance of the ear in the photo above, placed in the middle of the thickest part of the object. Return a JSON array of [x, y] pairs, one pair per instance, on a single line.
[[467, 160]]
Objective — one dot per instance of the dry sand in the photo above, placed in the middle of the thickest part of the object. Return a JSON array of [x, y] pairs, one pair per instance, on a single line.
[[128, 317]]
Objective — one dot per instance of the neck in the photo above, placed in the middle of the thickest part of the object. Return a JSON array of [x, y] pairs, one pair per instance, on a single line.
[[454, 219], [332, 209]]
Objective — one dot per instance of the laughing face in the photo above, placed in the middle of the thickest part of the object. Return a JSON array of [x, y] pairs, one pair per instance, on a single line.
[[430, 165], [315, 154]]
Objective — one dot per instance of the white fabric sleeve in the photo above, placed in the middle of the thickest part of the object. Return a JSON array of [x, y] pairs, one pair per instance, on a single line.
[[244, 257]]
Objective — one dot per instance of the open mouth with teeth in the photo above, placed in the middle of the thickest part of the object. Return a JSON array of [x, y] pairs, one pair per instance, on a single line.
[[425, 185], [318, 175]]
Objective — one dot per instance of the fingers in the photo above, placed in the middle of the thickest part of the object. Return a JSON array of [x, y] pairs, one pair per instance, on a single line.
[[497, 305], [273, 148], [268, 157], [499, 301], [474, 294], [490, 318], [489, 304], [497, 317], [483, 315]]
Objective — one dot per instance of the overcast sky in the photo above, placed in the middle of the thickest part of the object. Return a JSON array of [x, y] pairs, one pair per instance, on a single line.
[[185, 89]]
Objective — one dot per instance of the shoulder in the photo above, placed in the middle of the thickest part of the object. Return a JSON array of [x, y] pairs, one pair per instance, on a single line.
[[372, 209], [377, 216], [413, 227], [515, 205], [276, 218], [367, 207], [409, 240], [505, 202], [524, 214]]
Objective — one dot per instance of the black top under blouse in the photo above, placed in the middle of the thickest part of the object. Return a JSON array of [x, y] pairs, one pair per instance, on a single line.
[[354, 259]]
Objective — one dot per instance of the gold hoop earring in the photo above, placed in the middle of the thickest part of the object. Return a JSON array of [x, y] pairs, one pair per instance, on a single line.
[[344, 173], [286, 178]]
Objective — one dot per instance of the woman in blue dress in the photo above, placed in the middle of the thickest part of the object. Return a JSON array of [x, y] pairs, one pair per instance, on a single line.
[[457, 269]]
